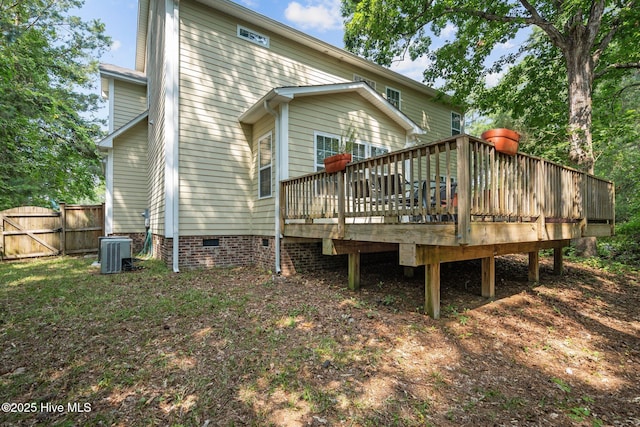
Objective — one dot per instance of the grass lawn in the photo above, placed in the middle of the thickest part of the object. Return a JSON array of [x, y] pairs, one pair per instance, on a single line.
[[242, 347]]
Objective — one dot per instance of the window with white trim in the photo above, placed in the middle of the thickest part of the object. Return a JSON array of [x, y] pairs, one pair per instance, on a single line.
[[264, 166], [378, 151], [328, 144], [253, 36], [393, 96], [456, 123], [359, 78]]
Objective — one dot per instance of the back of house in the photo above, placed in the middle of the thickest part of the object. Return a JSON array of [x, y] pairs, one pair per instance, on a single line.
[[225, 103]]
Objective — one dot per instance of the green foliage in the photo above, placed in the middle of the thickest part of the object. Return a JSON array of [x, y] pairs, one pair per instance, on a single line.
[[47, 128], [578, 39]]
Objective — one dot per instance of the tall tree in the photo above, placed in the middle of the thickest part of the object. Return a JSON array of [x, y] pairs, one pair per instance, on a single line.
[[47, 122], [582, 33]]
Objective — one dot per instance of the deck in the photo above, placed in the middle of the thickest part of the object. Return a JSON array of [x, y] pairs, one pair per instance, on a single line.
[[451, 200]]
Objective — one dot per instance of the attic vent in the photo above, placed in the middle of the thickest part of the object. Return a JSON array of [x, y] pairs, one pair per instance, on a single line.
[[358, 78], [253, 36]]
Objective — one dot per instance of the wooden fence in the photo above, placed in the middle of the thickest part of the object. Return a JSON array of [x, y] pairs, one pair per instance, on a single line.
[[31, 231]]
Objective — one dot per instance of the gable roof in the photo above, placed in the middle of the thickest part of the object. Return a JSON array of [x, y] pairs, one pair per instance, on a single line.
[[107, 141], [249, 16], [281, 95], [110, 71]]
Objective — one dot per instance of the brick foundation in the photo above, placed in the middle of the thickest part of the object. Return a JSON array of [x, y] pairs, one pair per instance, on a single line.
[[228, 251], [296, 256]]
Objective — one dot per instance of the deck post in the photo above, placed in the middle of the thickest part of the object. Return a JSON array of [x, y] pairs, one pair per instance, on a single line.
[[558, 261], [489, 277], [283, 207], [534, 266], [432, 290], [464, 190], [341, 204], [354, 271]]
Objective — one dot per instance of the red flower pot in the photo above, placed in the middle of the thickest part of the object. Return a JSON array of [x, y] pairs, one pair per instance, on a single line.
[[337, 162], [505, 140]]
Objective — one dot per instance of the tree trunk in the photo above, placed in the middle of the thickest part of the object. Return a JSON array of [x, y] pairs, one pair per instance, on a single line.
[[580, 68], [580, 76], [586, 247]]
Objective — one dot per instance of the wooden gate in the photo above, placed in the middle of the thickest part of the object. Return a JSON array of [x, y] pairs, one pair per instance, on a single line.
[[31, 231]]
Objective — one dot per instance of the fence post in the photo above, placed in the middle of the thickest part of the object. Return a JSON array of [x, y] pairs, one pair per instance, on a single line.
[[464, 190], [63, 231], [103, 213]]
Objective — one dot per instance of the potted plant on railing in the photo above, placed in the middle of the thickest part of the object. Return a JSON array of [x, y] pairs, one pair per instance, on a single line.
[[339, 161], [505, 140]]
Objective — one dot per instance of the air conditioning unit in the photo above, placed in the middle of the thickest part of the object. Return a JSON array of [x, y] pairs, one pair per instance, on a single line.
[[115, 252]]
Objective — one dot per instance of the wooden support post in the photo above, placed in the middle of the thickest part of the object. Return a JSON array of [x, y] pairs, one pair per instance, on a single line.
[[489, 277], [534, 266], [558, 261], [354, 271], [432, 290], [341, 205], [464, 190], [63, 231], [283, 207]]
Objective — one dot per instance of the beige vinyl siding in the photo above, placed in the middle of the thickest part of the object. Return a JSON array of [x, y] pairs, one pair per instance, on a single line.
[[221, 76], [156, 84], [334, 114], [262, 222], [129, 101], [130, 180]]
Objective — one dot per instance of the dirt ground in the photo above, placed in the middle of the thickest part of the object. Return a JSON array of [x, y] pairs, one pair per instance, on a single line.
[[305, 350]]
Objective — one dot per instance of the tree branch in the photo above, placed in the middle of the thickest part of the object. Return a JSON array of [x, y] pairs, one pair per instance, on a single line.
[[556, 36], [615, 25], [594, 21], [619, 66]]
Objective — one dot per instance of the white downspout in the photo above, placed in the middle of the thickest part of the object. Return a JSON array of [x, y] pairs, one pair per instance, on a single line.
[[277, 192], [108, 196], [172, 123]]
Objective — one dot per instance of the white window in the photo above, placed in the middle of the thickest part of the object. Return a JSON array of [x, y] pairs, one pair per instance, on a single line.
[[264, 166], [456, 123], [358, 78], [378, 151], [393, 96], [253, 36], [328, 144]]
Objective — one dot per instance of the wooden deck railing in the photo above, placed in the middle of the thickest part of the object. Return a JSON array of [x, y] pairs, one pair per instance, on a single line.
[[460, 179]]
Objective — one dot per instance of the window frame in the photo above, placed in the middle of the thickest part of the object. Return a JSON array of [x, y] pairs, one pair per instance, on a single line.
[[261, 168], [389, 88], [319, 166], [455, 131]]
